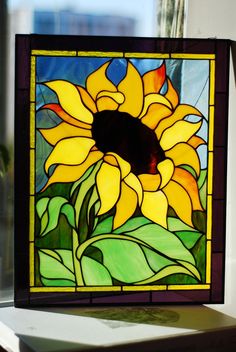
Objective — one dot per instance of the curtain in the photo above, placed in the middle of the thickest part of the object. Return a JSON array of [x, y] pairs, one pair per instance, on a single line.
[[171, 18]]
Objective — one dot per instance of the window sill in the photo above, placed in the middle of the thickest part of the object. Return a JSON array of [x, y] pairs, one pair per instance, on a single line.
[[166, 328]]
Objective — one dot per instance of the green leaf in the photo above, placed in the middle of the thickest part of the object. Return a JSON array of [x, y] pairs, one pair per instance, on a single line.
[[133, 224], [50, 221], [191, 268], [82, 178], [189, 238], [56, 265], [124, 259], [41, 206], [44, 222], [167, 271], [190, 170], [175, 224], [69, 211], [57, 282], [94, 273], [85, 186], [200, 220], [202, 178], [103, 227], [155, 260], [93, 202], [165, 242], [203, 195]]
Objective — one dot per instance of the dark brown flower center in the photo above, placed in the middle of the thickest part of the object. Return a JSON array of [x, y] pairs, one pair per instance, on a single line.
[[121, 133]]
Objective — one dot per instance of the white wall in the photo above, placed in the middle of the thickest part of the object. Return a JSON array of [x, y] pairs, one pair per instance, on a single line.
[[216, 19]]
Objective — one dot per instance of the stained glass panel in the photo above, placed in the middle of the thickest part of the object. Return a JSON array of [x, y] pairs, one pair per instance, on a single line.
[[120, 170]]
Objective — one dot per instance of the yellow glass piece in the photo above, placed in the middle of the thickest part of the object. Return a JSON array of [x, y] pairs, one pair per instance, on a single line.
[[32, 171], [117, 96], [155, 113], [210, 173], [181, 131], [32, 125], [186, 180], [70, 100], [106, 103], [87, 100], [184, 154], [132, 88], [57, 109], [166, 169], [209, 217], [31, 217], [71, 173], [115, 160], [54, 52], [97, 81], [154, 207], [180, 201], [154, 98], [212, 82], [32, 78], [208, 261], [63, 130], [211, 129], [196, 141], [108, 184], [150, 182], [179, 114], [152, 81], [172, 94], [70, 151], [133, 182], [125, 206]]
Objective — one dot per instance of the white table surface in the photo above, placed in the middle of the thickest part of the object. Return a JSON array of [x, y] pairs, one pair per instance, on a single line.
[[163, 328]]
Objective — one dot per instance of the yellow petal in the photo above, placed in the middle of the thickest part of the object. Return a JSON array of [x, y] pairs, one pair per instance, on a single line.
[[57, 109], [154, 80], [71, 173], [106, 103], [150, 182], [117, 96], [155, 206], [125, 206], [186, 180], [70, 151], [109, 100], [108, 185], [179, 114], [63, 130], [87, 100], [180, 201], [166, 169], [132, 181], [172, 94], [132, 88], [70, 100], [155, 99], [155, 113], [115, 160], [184, 154], [181, 131], [98, 81], [196, 141]]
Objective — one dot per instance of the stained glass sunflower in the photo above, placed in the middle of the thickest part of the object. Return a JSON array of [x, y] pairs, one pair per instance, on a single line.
[[140, 135]]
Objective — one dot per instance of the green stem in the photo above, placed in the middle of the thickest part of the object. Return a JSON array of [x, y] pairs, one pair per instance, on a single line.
[[77, 264], [90, 241]]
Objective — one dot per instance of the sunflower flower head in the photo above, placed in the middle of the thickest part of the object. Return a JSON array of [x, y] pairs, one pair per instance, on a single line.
[[140, 135]]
